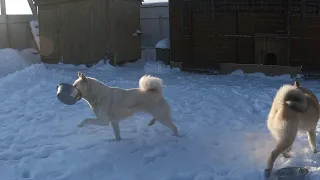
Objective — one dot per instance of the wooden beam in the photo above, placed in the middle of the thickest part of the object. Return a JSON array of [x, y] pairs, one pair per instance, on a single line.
[[288, 29], [303, 32], [32, 7], [3, 7], [4, 14], [46, 2]]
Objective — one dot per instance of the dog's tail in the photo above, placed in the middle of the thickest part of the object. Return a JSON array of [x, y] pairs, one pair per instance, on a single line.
[[292, 97], [150, 83]]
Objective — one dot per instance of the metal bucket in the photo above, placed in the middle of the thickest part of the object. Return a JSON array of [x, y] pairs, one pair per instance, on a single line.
[[68, 94], [292, 173]]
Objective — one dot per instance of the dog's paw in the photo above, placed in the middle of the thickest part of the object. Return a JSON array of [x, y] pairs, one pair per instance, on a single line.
[[83, 123], [114, 140], [315, 151], [267, 173], [80, 125], [177, 135]]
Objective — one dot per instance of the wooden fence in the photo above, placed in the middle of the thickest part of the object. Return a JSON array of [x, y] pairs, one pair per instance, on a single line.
[[15, 31]]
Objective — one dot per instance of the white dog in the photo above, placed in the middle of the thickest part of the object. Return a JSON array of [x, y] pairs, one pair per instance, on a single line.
[[294, 108], [111, 104]]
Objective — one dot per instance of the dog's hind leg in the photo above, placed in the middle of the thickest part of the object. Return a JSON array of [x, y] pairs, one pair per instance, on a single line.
[[284, 142], [161, 113], [93, 121], [116, 130], [166, 121], [167, 124], [280, 148], [312, 140]]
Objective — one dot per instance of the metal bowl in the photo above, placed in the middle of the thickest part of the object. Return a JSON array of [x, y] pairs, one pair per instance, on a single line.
[[68, 94], [292, 173]]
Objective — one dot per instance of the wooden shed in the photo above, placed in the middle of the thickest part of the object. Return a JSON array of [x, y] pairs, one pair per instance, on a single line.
[[207, 33], [83, 31]]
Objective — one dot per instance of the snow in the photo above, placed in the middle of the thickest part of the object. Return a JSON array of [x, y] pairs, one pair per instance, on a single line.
[[153, 1], [221, 120], [262, 75], [12, 60], [163, 44], [34, 26]]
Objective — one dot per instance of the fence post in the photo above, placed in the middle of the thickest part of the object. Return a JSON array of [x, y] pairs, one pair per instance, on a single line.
[[160, 27], [4, 14], [33, 7], [303, 35], [3, 7]]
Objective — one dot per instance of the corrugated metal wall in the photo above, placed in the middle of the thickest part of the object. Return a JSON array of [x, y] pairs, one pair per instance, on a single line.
[[154, 23]]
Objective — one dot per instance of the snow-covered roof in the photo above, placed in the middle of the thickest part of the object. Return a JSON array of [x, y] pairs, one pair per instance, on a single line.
[[163, 44], [154, 4], [34, 26]]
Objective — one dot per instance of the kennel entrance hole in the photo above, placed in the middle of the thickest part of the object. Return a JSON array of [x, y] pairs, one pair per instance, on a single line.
[[271, 59]]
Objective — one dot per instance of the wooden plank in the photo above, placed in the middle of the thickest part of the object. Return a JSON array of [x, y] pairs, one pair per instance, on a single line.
[[17, 19], [246, 50], [88, 29], [3, 7], [4, 42], [54, 2], [125, 23], [75, 32], [19, 36], [48, 34], [303, 31], [246, 23], [4, 15], [288, 30], [32, 7], [133, 24]]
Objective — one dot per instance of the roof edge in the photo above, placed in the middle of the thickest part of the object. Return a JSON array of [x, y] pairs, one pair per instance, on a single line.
[[154, 4]]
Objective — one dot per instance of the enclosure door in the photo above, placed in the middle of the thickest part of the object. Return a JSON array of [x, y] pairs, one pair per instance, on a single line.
[[131, 40], [49, 34]]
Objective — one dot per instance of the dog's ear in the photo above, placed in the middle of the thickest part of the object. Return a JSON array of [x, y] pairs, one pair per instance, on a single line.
[[83, 77], [296, 83]]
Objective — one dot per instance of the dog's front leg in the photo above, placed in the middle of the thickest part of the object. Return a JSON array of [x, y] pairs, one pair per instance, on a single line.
[[312, 140], [93, 121], [116, 130]]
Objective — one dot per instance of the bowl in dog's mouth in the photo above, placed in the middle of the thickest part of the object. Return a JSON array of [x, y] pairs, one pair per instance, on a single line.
[[68, 94]]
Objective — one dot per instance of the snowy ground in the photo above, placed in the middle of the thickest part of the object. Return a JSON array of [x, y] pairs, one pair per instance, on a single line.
[[12, 60], [221, 120]]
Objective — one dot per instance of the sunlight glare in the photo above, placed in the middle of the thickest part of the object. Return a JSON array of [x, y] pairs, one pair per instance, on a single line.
[[18, 7]]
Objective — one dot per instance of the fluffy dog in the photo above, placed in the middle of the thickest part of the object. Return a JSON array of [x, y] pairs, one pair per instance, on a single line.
[[111, 104], [294, 109]]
